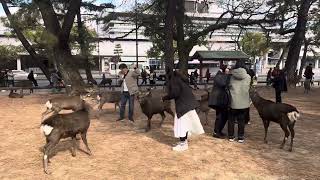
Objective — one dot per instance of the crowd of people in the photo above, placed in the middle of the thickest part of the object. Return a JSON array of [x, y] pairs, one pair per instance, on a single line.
[[229, 97]]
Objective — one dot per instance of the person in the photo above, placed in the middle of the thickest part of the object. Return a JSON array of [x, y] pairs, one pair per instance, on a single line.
[[105, 80], [219, 100], [308, 74], [152, 77], [10, 78], [193, 80], [196, 75], [144, 77], [55, 79], [269, 77], [208, 75], [240, 101], [129, 88], [32, 79], [186, 121], [279, 83]]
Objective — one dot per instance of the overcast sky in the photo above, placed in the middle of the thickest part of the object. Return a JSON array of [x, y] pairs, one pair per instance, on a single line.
[[121, 5]]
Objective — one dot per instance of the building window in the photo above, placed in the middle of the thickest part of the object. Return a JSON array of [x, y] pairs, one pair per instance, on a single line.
[[190, 6], [202, 7]]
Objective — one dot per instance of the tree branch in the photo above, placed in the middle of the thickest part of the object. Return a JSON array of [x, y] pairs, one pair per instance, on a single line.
[[49, 16], [68, 21]]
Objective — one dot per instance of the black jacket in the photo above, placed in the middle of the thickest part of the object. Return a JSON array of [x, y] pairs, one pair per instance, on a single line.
[[308, 72], [219, 97], [179, 90], [280, 82]]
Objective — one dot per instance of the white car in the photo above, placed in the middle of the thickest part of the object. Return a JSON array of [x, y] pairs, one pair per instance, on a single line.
[[21, 75]]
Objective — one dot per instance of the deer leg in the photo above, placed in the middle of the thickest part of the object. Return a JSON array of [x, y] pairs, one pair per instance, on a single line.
[[74, 145], [206, 114], [266, 126], [286, 132], [170, 112], [52, 142], [100, 106], [149, 124], [84, 139], [291, 128], [163, 116]]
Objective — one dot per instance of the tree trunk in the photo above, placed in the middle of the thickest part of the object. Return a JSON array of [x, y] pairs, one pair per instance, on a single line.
[[283, 54], [169, 50], [25, 43], [304, 57], [84, 49], [183, 55], [297, 39], [61, 50]]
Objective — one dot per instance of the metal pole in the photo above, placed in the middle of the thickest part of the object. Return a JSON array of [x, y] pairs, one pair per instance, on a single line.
[[137, 54], [98, 47]]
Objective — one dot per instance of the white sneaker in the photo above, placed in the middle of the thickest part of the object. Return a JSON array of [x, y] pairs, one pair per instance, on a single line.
[[231, 139], [182, 146], [240, 140]]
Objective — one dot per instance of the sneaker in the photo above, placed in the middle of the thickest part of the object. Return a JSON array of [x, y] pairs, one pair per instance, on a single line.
[[182, 146], [232, 139], [240, 140], [131, 120], [120, 119], [248, 123], [218, 135]]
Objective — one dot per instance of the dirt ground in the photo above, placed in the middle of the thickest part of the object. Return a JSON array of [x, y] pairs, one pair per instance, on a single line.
[[121, 150]]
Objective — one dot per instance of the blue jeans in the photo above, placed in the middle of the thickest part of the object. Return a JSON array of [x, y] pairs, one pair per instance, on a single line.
[[124, 97]]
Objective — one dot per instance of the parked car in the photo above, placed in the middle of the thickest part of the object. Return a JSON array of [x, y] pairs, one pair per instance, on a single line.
[[21, 75]]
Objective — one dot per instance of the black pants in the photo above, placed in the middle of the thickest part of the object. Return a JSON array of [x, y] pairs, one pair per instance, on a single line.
[[221, 119], [35, 83], [247, 116], [239, 115], [278, 95], [144, 81]]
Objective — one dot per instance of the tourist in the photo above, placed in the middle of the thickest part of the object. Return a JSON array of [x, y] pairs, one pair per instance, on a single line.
[[129, 88], [32, 79], [144, 77], [308, 74], [208, 75], [219, 100], [240, 101], [186, 121], [279, 83], [152, 77]]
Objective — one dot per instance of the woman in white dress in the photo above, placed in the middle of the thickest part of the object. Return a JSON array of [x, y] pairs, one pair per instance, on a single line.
[[186, 121]]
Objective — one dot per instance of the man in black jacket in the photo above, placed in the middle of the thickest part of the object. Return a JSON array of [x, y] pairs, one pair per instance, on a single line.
[[219, 100]]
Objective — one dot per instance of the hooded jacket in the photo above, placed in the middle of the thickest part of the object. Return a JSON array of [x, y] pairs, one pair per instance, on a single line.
[[239, 89], [181, 92]]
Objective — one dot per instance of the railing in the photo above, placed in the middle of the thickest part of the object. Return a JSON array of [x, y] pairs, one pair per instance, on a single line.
[[117, 86]]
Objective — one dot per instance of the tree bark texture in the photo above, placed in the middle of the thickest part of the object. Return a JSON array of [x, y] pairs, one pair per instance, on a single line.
[[84, 49], [180, 21], [169, 27], [297, 39], [61, 50]]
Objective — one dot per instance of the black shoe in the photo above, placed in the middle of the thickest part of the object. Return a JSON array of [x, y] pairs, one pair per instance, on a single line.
[[120, 119], [218, 135]]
